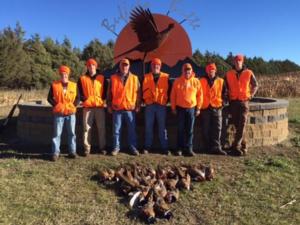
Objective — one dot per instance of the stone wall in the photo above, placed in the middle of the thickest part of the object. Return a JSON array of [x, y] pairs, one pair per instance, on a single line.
[[267, 125]]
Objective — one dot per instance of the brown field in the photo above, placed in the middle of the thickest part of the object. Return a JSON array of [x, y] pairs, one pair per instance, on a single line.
[[9, 97], [282, 85]]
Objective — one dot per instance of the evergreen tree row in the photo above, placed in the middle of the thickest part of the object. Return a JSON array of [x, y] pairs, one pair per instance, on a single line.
[[32, 63]]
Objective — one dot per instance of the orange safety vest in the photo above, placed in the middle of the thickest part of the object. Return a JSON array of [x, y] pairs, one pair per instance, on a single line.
[[212, 96], [92, 90], [155, 93], [65, 102], [186, 93], [124, 97], [239, 88]]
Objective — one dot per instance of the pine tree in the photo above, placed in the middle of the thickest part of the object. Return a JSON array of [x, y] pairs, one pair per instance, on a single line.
[[14, 62]]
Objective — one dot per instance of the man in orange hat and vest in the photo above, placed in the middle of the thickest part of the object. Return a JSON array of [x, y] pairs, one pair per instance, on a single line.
[[186, 102], [123, 101], [242, 86], [63, 96], [92, 93], [214, 92], [155, 95]]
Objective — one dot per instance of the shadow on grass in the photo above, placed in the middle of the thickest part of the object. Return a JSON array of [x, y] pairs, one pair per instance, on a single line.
[[22, 151]]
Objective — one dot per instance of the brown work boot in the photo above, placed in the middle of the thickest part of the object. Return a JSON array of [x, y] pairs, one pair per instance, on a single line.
[[86, 152], [244, 151], [54, 158]]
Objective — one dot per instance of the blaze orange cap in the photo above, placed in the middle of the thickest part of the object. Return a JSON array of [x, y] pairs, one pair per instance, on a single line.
[[124, 61], [187, 66], [210, 66], [91, 62], [156, 61], [64, 69], [239, 58]]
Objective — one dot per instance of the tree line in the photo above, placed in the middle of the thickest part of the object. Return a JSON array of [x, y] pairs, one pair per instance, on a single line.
[[32, 63]]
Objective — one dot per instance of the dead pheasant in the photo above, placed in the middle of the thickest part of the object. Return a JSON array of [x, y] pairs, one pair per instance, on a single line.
[[162, 209], [172, 196], [151, 191]]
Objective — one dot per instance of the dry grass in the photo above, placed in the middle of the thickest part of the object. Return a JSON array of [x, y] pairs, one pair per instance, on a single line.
[[282, 85], [9, 97]]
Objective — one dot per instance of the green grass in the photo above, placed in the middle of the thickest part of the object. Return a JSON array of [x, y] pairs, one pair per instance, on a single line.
[[248, 190], [294, 121], [294, 110]]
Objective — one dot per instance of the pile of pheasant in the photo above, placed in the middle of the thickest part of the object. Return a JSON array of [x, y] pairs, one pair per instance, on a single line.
[[151, 191]]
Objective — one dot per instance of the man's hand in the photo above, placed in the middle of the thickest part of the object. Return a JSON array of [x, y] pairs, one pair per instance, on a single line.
[[197, 113], [174, 111]]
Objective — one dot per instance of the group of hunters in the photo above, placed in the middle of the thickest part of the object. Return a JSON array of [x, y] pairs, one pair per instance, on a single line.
[[123, 96]]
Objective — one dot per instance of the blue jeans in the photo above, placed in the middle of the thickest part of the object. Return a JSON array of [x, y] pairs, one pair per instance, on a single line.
[[158, 112], [185, 132], [129, 117], [58, 128]]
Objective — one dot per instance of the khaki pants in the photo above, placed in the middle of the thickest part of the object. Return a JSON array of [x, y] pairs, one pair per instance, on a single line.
[[89, 116]]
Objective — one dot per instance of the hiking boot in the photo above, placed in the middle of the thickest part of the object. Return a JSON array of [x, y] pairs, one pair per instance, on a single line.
[[103, 152], [190, 153], [134, 151], [86, 152], [72, 155], [219, 151], [178, 152], [235, 152], [166, 152], [114, 152], [54, 158], [244, 151], [145, 151]]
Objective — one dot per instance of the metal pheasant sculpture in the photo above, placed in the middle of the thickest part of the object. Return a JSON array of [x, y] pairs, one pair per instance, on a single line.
[[150, 38]]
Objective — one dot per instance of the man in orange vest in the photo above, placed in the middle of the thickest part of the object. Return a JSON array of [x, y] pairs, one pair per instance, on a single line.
[[155, 96], [242, 86], [123, 101], [214, 91], [186, 102], [63, 96], [92, 92]]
